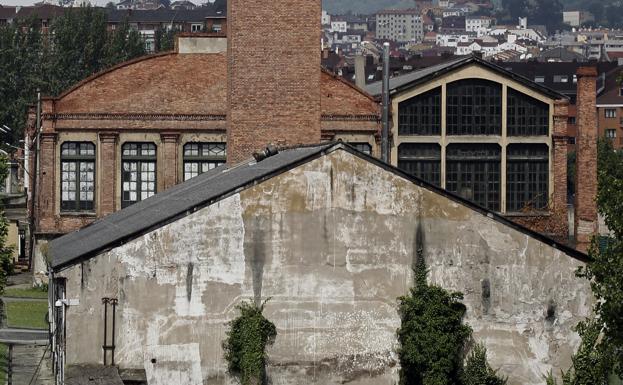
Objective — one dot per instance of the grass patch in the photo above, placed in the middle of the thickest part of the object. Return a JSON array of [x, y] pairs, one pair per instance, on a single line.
[[25, 293], [27, 314], [4, 361]]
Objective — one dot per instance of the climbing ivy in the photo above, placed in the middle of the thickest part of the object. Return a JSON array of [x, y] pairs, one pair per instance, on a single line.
[[431, 335], [245, 346], [478, 371]]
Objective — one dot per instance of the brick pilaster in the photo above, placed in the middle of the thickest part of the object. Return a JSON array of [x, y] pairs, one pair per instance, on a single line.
[[45, 206], [558, 201], [108, 173], [586, 160], [170, 164]]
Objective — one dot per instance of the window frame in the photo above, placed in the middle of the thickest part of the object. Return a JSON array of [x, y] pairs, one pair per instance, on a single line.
[[465, 117], [202, 159], [526, 116], [421, 160], [527, 164], [461, 165], [139, 159], [78, 159], [421, 115], [610, 113]]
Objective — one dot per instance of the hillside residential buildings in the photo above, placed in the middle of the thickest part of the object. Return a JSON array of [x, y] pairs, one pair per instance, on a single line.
[[400, 25]]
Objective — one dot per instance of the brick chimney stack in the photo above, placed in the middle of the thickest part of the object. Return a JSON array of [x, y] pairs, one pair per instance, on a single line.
[[586, 224], [273, 74]]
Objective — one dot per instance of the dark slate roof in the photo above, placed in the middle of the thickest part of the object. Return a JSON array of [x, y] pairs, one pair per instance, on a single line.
[[203, 190], [122, 225], [7, 12], [404, 82], [611, 94], [44, 11], [162, 15]]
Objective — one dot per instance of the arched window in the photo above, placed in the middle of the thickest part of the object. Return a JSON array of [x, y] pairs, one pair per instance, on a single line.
[[422, 160], [202, 157], [421, 115], [77, 176], [138, 172], [526, 116], [474, 107], [527, 177], [473, 172]]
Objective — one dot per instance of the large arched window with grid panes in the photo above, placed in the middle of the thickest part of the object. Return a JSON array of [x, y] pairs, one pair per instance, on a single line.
[[77, 176], [202, 157], [527, 177], [474, 107], [138, 172], [421, 114], [422, 160], [473, 172], [526, 116]]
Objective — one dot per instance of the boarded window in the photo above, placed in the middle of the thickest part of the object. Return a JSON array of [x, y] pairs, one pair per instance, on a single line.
[[421, 115], [526, 116], [473, 172], [474, 107], [77, 176], [422, 160], [527, 177]]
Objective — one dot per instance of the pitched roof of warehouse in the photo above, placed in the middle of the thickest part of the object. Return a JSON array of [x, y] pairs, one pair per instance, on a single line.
[[181, 200], [404, 82]]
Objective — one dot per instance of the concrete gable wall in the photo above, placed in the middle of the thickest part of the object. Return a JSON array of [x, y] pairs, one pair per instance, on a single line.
[[332, 243]]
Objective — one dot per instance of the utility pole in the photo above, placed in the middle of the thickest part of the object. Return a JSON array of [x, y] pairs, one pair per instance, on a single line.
[[385, 130]]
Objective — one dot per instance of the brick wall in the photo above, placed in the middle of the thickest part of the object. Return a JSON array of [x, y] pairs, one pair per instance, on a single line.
[[108, 172], [273, 74], [586, 159]]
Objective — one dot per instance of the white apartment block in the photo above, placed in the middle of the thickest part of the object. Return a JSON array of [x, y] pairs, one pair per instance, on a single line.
[[339, 26], [326, 18], [477, 23], [400, 25]]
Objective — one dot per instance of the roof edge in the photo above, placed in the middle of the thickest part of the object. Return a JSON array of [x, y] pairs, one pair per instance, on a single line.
[[351, 85]]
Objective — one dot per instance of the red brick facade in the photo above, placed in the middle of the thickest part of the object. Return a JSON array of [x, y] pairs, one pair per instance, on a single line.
[[168, 99], [586, 160], [273, 74]]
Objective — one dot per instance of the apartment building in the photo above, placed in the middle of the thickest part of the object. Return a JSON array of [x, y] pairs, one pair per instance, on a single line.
[[401, 26]]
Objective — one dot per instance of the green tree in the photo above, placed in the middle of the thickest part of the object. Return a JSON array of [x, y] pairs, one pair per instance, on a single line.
[[124, 43], [6, 252], [605, 270], [245, 346], [431, 335], [478, 371], [165, 40]]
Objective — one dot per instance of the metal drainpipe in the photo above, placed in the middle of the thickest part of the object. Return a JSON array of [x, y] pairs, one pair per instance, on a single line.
[[385, 131], [35, 184]]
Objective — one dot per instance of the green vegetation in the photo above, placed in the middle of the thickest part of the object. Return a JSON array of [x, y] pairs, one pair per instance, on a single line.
[[77, 46], [26, 314], [6, 259], [26, 293], [601, 352], [478, 371], [4, 361], [245, 346]]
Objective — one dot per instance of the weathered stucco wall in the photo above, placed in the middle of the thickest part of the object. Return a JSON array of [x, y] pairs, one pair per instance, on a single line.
[[332, 242]]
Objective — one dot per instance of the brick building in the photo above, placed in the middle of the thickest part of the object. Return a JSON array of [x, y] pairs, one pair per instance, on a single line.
[[141, 127], [610, 108]]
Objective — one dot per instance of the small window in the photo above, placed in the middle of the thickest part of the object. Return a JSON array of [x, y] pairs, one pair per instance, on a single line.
[[611, 133], [611, 113], [571, 140], [202, 157], [196, 27], [621, 90], [77, 176], [539, 79], [561, 79], [422, 160], [138, 172], [571, 120], [366, 148]]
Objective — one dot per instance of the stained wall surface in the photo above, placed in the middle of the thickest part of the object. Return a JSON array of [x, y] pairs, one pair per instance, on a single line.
[[331, 242]]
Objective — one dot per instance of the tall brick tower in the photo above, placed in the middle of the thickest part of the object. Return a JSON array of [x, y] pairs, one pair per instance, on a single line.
[[586, 224], [273, 74]]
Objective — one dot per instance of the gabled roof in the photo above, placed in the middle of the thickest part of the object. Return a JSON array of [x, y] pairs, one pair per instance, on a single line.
[[407, 81], [7, 12], [183, 199], [163, 15]]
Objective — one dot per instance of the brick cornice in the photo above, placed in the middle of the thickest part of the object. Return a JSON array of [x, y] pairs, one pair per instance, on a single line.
[[135, 116], [350, 118]]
